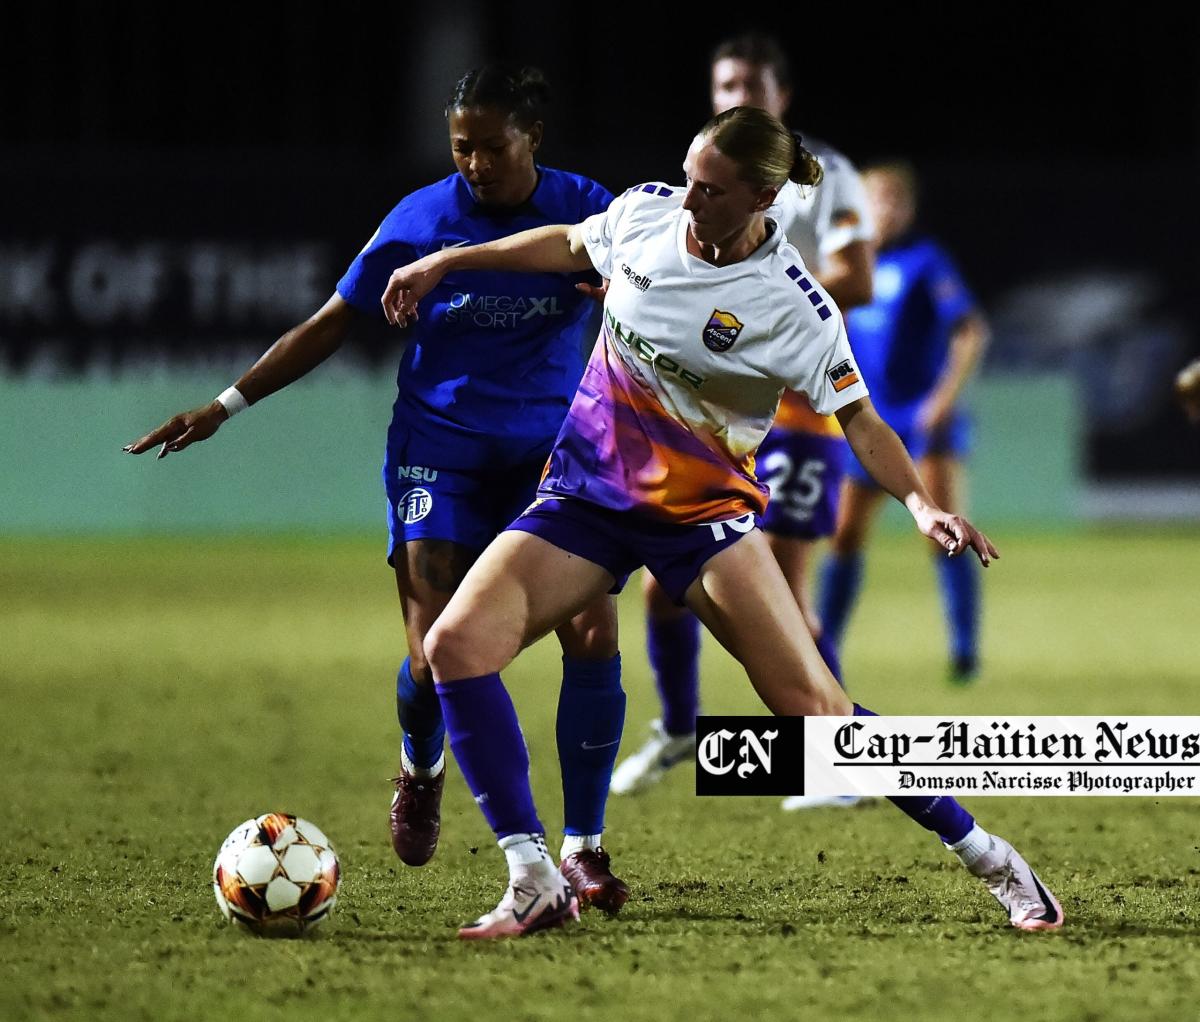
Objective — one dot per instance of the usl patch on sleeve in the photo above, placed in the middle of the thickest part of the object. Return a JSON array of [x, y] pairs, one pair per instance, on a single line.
[[843, 375]]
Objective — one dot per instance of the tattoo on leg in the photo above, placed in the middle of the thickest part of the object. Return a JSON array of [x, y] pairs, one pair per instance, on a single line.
[[441, 564]]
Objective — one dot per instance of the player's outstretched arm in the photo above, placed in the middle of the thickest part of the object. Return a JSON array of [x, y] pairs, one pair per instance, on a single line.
[[296, 353], [881, 452], [555, 249]]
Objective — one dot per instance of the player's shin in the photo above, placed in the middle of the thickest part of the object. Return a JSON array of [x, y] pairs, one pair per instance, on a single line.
[[959, 578], [938, 813], [841, 579], [490, 749], [420, 715], [591, 716], [673, 647]]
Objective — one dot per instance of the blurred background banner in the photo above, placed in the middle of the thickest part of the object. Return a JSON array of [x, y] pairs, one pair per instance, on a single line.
[[170, 203]]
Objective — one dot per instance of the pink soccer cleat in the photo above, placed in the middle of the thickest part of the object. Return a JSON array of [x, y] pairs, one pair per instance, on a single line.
[[530, 904], [1017, 887]]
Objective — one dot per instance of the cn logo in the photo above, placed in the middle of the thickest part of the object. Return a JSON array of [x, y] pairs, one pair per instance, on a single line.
[[749, 755], [713, 750]]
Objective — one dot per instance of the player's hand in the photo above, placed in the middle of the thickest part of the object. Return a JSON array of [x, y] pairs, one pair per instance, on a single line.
[[596, 294], [1187, 390], [954, 534], [408, 285], [182, 430], [933, 414]]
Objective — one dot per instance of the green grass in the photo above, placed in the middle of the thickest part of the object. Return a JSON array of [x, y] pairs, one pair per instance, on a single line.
[[155, 693]]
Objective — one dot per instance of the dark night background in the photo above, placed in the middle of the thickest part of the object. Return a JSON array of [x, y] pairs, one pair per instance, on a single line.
[[1058, 151]]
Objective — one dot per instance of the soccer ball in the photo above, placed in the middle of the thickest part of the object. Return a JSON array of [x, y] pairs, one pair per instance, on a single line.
[[277, 875]]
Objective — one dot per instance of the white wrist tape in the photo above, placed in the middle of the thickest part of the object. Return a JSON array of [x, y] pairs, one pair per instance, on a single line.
[[232, 401]]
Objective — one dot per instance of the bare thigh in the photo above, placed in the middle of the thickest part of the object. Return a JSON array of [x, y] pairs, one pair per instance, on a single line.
[[744, 600], [521, 588], [428, 571], [793, 556]]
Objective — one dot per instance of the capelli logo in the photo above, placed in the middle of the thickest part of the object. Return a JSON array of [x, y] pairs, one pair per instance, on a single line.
[[749, 755], [638, 280]]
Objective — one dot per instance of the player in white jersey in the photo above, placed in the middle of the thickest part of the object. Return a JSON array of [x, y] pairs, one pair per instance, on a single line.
[[710, 315], [802, 458]]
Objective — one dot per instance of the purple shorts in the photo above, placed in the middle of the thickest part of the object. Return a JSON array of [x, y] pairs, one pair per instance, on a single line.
[[620, 542], [804, 472]]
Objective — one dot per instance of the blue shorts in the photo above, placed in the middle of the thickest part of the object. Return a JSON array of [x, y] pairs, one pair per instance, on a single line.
[[804, 472], [470, 508], [620, 542], [952, 440]]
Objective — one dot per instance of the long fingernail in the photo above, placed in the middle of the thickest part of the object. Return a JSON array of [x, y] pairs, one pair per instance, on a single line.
[[127, 448]]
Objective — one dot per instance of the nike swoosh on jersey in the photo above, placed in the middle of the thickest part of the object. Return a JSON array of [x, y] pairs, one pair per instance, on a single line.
[[454, 244]]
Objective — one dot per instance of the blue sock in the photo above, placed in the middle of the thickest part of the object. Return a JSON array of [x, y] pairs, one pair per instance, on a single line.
[[959, 578], [829, 653], [591, 716], [490, 749], [673, 647], [939, 813], [420, 716], [841, 578]]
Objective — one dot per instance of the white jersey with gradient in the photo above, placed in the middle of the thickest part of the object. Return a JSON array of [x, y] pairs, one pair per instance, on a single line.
[[692, 362], [819, 221]]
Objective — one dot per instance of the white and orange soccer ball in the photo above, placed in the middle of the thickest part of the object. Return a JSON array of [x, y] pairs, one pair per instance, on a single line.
[[277, 875]]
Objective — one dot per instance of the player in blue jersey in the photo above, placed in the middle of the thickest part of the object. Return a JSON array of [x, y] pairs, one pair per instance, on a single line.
[[484, 383], [917, 344]]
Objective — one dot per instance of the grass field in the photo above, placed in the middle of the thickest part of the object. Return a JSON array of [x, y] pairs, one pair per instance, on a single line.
[[155, 693]]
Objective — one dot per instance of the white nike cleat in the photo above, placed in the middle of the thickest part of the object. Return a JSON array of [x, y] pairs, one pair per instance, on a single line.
[[533, 902], [646, 767], [793, 802], [1017, 887]]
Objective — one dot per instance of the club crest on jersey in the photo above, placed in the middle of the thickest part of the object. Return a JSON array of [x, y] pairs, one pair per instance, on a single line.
[[721, 330], [843, 375]]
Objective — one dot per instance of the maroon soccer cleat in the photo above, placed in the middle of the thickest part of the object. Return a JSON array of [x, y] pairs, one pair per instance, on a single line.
[[416, 816], [591, 875]]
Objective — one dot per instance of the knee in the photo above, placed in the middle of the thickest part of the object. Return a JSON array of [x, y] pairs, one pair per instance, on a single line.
[[449, 652], [591, 635]]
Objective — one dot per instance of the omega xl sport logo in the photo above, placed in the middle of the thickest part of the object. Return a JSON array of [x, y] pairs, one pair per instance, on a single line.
[[721, 330], [499, 311], [749, 755]]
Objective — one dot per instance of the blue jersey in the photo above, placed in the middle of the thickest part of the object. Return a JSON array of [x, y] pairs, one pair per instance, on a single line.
[[491, 366], [901, 340]]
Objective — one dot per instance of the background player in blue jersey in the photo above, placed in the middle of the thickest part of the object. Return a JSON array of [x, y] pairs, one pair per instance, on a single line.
[[484, 383], [801, 459], [917, 345]]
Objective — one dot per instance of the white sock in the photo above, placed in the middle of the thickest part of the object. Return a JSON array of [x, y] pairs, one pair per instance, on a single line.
[[526, 854], [573, 843], [973, 847], [408, 766]]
